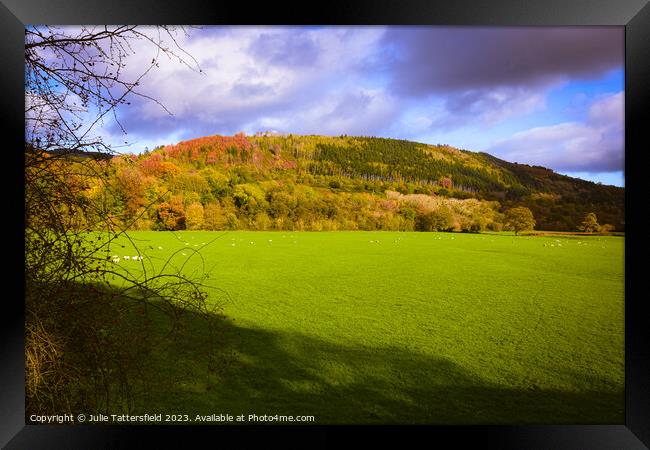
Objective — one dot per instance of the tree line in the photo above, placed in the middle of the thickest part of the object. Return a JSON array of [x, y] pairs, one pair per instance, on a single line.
[[331, 183]]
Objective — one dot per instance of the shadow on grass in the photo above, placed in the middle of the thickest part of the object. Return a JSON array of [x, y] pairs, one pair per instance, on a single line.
[[255, 371], [271, 372], [89, 346]]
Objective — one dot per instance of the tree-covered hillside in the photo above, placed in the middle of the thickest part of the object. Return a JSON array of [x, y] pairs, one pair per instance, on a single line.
[[331, 183]]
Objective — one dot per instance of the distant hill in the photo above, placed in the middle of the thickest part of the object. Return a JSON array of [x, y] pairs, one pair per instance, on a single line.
[[272, 181]]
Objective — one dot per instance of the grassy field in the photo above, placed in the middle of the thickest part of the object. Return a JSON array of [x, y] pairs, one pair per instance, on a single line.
[[391, 327]]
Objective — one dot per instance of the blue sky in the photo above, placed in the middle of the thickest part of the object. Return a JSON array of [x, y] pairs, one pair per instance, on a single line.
[[545, 96]]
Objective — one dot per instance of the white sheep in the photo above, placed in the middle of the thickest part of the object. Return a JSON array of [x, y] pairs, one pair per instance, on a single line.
[[126, 258]]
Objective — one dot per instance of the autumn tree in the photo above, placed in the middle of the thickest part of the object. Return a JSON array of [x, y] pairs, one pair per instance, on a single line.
[[214, 217], [607, 228], [590, 224], [440, 219], [171, 214], [194, 216], [519, 219]]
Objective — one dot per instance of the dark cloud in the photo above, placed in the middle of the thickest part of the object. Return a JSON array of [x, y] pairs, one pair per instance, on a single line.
[[425, 60]]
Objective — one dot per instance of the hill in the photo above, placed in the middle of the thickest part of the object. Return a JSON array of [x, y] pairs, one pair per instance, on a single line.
[[346, 182]]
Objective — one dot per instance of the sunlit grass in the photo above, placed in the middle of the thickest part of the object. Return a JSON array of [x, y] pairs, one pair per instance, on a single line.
[[390, 327]]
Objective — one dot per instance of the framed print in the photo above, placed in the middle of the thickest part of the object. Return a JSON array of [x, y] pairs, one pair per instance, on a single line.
[[364, 222]]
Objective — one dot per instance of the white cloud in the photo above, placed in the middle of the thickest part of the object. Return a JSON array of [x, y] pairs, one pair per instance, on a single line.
[[348, 110], [597, 145], [245, 84]]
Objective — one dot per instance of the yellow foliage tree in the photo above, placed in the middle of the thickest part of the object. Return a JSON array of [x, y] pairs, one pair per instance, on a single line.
[[194, 216]]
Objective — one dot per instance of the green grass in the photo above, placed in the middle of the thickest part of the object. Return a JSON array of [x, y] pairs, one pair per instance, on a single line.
[[390, 327]]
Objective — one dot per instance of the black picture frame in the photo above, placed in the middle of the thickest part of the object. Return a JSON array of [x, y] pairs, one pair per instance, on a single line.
[[633, 14]]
